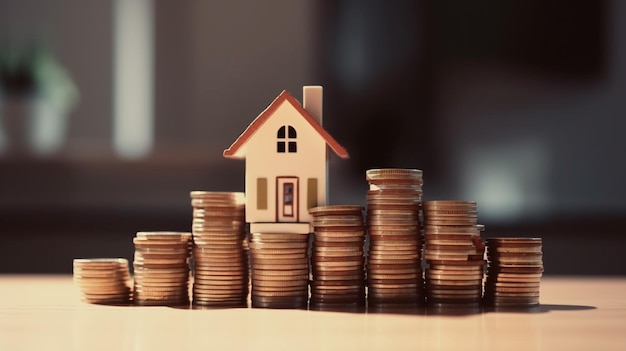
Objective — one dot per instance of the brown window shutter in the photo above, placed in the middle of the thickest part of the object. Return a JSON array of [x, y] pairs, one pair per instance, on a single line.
[[261, 193], [311, 192]]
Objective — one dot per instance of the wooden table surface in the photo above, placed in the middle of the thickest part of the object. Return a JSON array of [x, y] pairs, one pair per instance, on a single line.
[[45, 313]]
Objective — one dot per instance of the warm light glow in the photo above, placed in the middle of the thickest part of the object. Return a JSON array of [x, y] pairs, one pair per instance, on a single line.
[[508, 182]]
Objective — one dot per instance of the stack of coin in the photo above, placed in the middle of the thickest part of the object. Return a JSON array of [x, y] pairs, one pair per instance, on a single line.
[[280, 270], [394, 273], [514, 272], [220, 249], [103, 280], [161, 268], [338, 262], [454, 253]]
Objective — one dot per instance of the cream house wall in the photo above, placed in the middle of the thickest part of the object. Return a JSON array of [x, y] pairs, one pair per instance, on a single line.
[[262, 160]]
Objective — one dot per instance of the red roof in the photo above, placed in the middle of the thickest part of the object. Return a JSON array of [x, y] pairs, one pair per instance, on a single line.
[[269, 111]]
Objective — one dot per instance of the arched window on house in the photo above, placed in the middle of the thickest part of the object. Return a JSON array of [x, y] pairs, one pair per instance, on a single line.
[[286, 139]]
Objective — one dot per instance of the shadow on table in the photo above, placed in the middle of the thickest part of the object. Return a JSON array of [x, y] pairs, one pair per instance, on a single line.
[[543, 308], [413, 309], [399, 309], [448, 310]]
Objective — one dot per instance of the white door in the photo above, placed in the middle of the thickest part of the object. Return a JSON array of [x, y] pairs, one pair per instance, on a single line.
[[287, 195]]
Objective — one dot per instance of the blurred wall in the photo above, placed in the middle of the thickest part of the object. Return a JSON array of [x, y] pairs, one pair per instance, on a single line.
[[514, 104], [536, 123]]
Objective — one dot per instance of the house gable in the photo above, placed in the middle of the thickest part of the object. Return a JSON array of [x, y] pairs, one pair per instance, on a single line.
[[238, 148]]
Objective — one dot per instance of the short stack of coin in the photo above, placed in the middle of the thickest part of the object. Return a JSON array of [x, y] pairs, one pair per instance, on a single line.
[[103, 280], [514, 272], [220, 249], [454, 253], [338, 262], [394, 273], [161, 268], [280, 270]]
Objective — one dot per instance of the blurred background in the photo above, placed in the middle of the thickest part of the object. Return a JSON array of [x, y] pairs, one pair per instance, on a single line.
[[112, 111]]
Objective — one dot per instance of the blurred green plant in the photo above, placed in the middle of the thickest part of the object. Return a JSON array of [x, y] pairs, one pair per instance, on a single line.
[[34, 72]]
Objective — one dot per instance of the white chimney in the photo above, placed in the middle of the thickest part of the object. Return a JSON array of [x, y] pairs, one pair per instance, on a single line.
[[312, 101]]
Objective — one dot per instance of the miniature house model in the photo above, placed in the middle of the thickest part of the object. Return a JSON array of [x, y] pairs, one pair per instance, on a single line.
[[286, 163]]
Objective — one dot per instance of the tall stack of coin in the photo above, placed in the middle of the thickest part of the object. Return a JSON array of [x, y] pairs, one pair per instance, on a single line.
[[220, 249], [338, 262], [454, 253], [161, 268], [514, 272], [394, 273], [103, 280], [280, 270]]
